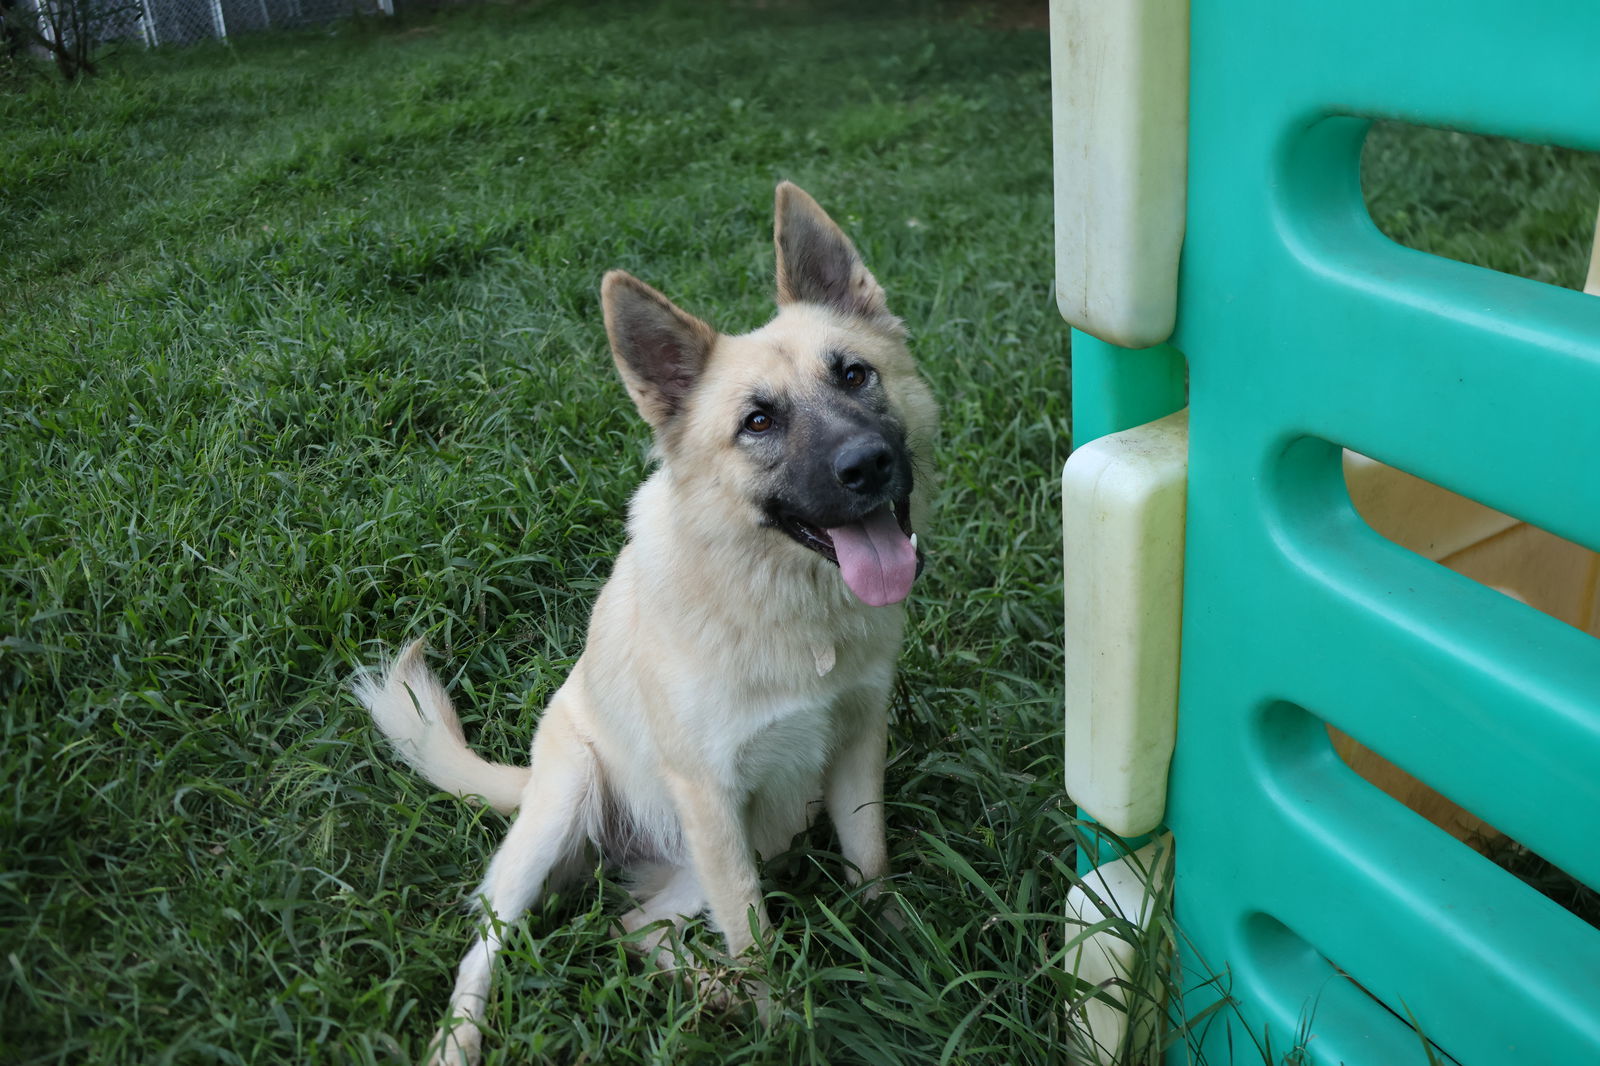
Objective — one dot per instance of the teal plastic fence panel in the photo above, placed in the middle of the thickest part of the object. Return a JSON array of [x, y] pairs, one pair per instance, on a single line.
[[1331, 910]]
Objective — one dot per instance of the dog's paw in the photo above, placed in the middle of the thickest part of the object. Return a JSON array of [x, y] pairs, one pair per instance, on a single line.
[[720, 984], [891, 913], [727, 990], [659, 948], [458, 1042]]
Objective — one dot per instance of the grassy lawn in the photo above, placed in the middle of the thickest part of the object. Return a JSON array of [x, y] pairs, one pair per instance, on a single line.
[[301, 355]]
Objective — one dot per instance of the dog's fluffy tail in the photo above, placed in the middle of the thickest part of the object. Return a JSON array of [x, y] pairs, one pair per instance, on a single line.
[[412, 709]]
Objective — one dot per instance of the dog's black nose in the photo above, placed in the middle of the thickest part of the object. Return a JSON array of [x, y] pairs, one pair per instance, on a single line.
[[863, 465]]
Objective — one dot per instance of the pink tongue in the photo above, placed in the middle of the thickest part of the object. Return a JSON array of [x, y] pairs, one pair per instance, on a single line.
[[876, 559]]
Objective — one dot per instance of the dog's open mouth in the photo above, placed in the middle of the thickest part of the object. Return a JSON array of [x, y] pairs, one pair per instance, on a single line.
[[877, 555]]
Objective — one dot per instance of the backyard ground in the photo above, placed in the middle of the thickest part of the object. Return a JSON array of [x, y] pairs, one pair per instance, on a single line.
[[301, 356]]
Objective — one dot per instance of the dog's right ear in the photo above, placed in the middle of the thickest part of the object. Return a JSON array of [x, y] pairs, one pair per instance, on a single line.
[[659, 349]]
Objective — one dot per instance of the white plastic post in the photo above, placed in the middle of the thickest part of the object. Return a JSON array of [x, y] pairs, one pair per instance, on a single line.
[[1123, 502], [1122, 895], [1592, 283], [1120, 104]]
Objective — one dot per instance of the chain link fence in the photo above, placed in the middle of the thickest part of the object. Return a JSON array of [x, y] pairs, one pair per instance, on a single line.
[[171, 22], [183, 21]]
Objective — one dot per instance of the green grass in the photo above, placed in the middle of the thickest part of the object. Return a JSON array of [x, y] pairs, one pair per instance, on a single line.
[[301, 355], [1521, 209]]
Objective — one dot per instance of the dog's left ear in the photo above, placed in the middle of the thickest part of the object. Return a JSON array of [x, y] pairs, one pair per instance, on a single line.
[[659, 349], [816, 261]]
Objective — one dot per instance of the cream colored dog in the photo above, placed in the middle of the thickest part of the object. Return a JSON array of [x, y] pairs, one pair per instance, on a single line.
[[740, 657]]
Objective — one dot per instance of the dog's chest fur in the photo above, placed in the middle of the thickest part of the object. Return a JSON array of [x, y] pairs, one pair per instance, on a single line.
[[785, 723], [751, 670]]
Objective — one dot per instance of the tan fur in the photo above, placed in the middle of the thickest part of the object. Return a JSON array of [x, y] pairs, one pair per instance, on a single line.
[[730, 679]]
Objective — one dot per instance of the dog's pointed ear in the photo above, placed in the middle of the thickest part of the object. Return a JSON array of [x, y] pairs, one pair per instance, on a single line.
[[816, 261], [660, 349]]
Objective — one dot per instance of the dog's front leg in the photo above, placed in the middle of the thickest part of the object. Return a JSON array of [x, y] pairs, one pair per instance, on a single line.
[[853, 787], [538, 851], [719, 847]]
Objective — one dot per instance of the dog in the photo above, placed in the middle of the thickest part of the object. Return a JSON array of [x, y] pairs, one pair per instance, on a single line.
[[740, 657]]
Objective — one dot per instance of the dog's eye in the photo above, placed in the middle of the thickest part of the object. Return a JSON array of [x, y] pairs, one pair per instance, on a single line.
[[757, 422], [855, 375]]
